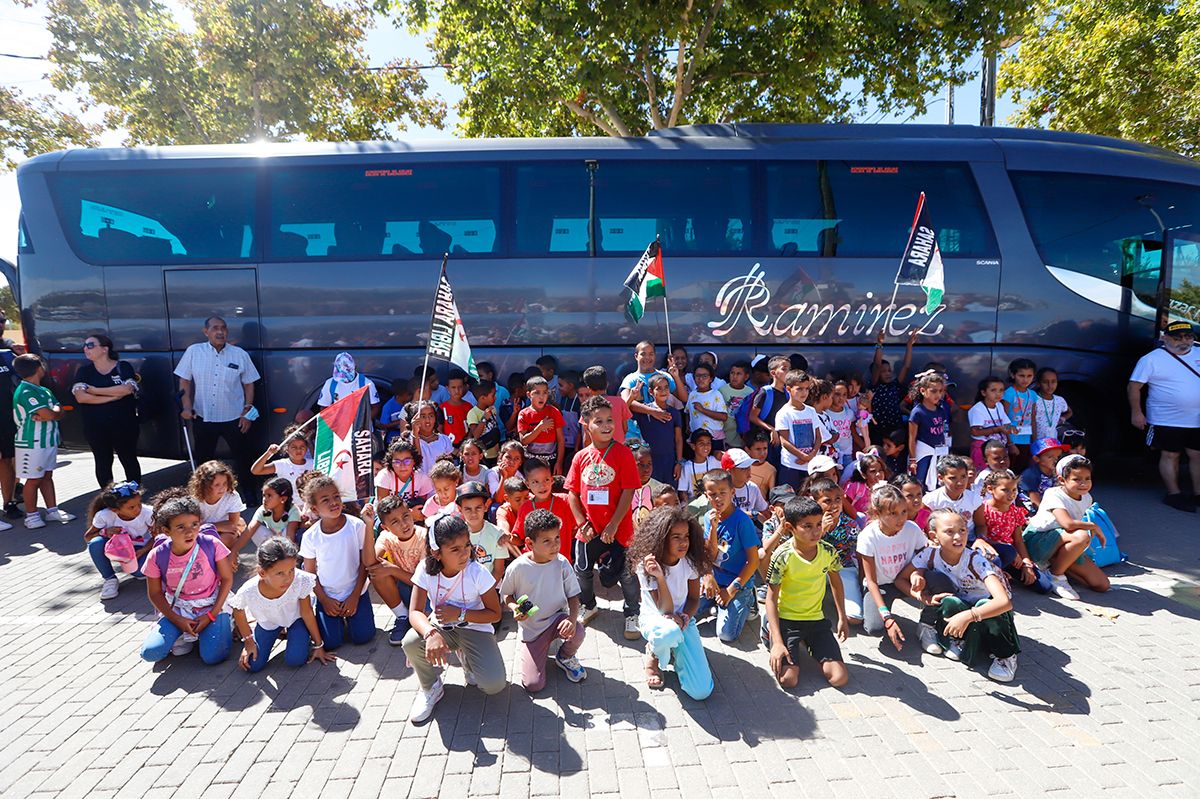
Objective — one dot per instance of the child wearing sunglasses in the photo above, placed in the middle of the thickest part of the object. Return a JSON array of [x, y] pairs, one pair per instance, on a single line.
[[403, 476]]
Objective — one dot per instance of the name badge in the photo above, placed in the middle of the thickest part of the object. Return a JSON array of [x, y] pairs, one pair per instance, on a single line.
[[597, 496], [1025, 430]]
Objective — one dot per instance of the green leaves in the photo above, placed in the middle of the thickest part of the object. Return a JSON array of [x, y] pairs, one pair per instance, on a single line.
[[33, 125], [1125, 68], [250, 70], [558, 67]]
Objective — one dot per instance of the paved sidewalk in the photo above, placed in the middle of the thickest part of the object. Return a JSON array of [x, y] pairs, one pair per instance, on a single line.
[[1106, 702]]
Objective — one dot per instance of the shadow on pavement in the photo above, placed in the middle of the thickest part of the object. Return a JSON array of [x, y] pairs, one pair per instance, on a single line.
[[883, 679]]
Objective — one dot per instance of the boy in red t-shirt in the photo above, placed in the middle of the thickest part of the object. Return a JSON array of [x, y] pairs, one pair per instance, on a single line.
[[601, 482], [542, 496], [540, 426], [455, 411]]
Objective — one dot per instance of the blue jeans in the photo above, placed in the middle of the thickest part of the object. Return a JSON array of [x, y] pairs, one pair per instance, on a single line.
[[296, 653], [731, 618], [215, 640], [95, 548], [1008, 554], [361, 625]]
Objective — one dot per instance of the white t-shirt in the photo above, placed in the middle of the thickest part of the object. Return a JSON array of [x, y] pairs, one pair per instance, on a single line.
[[801, 425], [418, 486], [463, 590], [677, 583], [691, 472], [1174, 396], [968, 575], [338, 554], [966, 504], [842, 423], [212, 513], [290, 471], [1047, 413], [432, 450], [548, 585], [1057, 497], [891, 552], [981, 415], [749, 499], [334, 390], [494, 478], [273, 614], [713, 401], [138, 527]]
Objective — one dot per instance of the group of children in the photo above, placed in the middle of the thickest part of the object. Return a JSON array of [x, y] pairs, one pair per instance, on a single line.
[[785, 496]]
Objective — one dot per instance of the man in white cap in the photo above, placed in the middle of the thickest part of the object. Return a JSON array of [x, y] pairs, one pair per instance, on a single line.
[[1172, 416]]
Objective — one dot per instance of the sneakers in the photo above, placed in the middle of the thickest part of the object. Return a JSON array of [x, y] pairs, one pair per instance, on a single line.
[[396, 638], [1003, 669], [954, 650], [59, 515], [1179, 502], [424, 703], [11, 510], [631, 629], [753, 612], [1061, 588], [760, 594], [34, 521], [571, 667], [586, 614], [5, 525], [929, 639], [110, 588], [182, 646]]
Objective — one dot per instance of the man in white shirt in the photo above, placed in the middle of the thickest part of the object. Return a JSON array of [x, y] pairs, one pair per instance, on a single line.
[[1172, 416], [217, 380]]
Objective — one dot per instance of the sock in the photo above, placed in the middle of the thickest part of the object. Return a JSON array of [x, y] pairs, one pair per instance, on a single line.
[[52, 510], [400, 611]]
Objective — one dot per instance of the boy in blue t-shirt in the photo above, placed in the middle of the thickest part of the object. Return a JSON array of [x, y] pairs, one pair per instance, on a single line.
[[733, 542], [391, 418]]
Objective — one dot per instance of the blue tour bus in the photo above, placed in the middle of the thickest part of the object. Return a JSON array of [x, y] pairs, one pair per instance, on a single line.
[[1065, 248]]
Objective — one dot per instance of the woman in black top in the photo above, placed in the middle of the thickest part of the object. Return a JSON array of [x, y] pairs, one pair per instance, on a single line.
[[105, 389]]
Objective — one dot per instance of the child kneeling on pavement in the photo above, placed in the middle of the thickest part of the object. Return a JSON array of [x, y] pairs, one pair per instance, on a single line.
[[541, 589]]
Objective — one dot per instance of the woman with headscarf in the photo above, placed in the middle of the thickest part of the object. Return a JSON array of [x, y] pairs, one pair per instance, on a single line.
[[345, 381]]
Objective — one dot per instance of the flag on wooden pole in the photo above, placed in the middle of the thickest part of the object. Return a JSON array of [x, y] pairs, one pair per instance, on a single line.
[[447, 336]]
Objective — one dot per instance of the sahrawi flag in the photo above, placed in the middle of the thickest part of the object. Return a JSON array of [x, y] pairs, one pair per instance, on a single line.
[[645, 281], [447, 336], [343, 448], [921, 264]]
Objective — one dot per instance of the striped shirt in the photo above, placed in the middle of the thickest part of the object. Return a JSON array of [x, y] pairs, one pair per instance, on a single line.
[[28, 399], [217, 379]]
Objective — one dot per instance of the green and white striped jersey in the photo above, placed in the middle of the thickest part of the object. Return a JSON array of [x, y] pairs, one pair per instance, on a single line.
[[28, 399]]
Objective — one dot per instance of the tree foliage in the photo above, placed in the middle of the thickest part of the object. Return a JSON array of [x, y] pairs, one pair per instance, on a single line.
[[249, 70], [1126, 68], [558, 67], [33, 125]]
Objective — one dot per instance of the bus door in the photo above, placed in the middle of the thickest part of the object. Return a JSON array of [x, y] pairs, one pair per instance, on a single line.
[[194, 295], [1180, 297]]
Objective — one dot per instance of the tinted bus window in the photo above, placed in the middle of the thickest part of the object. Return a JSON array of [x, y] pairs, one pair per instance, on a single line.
[[159, 216], [1107, 227], [697, 207], [401, 211], [551, 208], [856, 209]]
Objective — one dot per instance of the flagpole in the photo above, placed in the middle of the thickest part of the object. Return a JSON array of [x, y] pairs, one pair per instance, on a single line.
[[666, 311], [432, 315]]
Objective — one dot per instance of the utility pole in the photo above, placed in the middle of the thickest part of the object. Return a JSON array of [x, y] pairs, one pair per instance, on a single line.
[[950, 104], [987, 92]]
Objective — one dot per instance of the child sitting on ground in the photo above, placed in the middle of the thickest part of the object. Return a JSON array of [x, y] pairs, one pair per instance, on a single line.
[[398, 549], [336, 549], [115, 510], [797, 579], [277, 515], [280, 599], [1058, 535], [214, 486], [967, 605], [445, 477], [746, 495], [470, 460], [996, 459], [885, 546], [732, 544], [840, 531], [188, 577], [894, 446], [669, 556], [869, 471], [914, 498], [541, 589], [1000, 520], [464, 605], [952, 491]]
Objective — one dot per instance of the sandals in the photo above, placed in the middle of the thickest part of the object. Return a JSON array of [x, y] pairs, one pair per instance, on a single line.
[[654, 677]]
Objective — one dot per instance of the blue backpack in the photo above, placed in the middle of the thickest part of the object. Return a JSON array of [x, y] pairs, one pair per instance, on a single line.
[[743, 412], [1110, 553]]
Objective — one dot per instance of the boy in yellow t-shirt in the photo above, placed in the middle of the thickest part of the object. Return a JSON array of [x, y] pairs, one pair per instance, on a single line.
[[796, 590]]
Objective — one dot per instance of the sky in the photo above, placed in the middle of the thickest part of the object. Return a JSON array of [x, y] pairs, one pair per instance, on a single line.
[[23, 32]]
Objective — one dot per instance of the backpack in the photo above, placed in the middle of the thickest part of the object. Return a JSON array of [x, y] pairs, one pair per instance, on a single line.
[[743, 412], [206, 541], [1110, 553]]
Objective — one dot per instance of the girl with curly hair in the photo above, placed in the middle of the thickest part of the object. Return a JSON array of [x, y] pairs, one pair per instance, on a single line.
[[214, 486]]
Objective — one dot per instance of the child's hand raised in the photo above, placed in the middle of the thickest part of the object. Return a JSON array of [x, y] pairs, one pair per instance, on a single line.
[[272, 449], [829, 519], [652, 567], [368, 515]]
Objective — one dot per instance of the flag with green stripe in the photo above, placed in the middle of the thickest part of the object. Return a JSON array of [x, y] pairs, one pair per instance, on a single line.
[[921, 264], [343, 445], [645, 281]]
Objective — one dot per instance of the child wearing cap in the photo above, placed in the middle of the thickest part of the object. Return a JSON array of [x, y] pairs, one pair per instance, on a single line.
[[702, 461], [486, 538], [1040, 476], [1058, 535]]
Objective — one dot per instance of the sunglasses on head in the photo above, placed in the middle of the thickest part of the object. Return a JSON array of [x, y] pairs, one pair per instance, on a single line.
[[127, 489]]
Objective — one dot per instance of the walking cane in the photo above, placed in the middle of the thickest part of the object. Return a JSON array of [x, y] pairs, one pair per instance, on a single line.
[[187, 439]]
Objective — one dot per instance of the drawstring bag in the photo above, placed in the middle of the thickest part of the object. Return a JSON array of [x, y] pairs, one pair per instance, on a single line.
[[120, 550], [1110, 553]]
